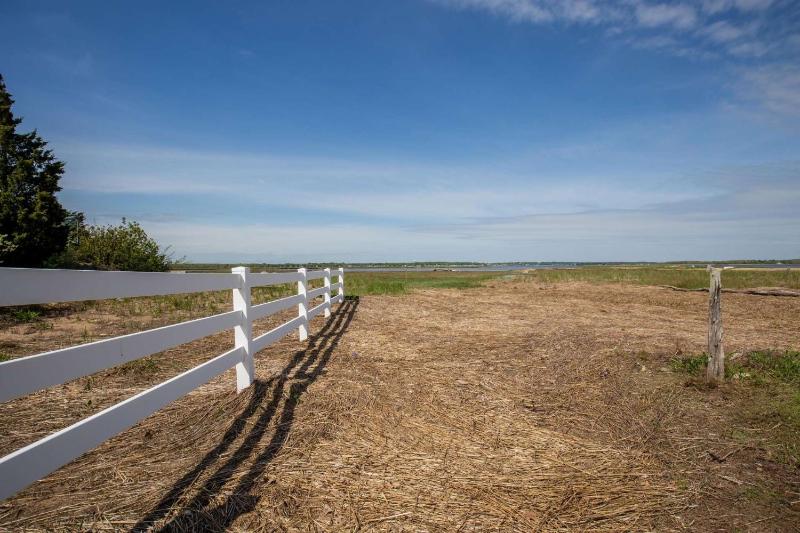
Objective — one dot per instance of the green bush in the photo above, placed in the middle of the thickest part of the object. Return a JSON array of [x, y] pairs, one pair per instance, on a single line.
[[123, 247], [690, 364]]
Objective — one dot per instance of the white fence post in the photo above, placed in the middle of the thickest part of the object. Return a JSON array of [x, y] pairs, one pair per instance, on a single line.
[[243, 332], [327, 292], [302, 307], [341, 285]]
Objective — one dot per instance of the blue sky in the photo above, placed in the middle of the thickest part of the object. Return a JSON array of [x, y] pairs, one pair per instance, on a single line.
[[491, 130]]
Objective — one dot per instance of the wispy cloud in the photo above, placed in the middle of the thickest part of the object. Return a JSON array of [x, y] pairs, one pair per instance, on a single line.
[[732, 33], [701, 27], [313, 208], [718, 6], [773, 87], [680, 16], [716, 228], [723, 32]]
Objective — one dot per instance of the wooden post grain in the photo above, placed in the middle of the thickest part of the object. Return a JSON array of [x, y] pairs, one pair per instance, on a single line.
[[715, 372]]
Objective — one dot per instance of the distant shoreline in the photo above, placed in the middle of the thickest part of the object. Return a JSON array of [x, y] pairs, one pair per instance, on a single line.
[[485, 267]]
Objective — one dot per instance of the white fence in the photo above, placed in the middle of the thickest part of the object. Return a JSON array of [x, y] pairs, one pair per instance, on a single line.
[[18, 377]]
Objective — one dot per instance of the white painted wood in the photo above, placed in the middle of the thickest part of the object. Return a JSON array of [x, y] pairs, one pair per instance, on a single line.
[[243, 331], [316, 293], [26, 465], [261, 279], [26, 286], [302, 307], [327, 287], [314, 274], [262, 341], [29, 374], [270, 308]]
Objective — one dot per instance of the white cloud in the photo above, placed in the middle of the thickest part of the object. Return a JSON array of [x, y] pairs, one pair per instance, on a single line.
[[749, 49], [723, 32], [521, 10], [717, 24], [732, 229], [381, 189], [680, 16], [718, 6], [581, 10], [775, 88], [426, 211]]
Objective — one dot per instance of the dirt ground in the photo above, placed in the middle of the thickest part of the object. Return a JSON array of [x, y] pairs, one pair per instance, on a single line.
[[514, 407]]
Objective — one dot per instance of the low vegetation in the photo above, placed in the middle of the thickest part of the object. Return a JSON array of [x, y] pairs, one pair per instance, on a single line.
[[364, 283], [123, 247], [757, 367], [764, 391], [682, 277]]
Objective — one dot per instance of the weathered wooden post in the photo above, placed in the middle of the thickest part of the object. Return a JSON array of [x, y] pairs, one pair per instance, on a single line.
[[715, 372]]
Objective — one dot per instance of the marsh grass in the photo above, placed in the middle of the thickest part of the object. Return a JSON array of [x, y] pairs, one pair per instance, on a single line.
[[395, 283], [682, 277]]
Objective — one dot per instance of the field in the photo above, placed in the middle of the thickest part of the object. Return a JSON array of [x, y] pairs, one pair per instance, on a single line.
[[548, 400]]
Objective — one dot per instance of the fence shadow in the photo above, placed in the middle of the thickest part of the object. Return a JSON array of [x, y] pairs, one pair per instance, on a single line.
[[194, 514]]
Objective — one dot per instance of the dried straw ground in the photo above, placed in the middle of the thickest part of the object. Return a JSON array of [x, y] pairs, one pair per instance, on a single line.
[[515, 407]]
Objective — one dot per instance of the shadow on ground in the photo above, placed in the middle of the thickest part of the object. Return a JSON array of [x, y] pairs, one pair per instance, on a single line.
[[197, 513]]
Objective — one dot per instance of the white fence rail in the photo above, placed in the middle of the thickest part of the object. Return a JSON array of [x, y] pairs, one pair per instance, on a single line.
[[18, 377]]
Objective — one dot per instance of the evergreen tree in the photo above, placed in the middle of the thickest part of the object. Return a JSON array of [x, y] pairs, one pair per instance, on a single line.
[[32, 221]]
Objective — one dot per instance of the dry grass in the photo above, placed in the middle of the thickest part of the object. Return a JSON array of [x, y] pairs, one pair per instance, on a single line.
[[521, 406]]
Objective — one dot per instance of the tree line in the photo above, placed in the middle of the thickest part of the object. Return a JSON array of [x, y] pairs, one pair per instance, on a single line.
[[37, 231]]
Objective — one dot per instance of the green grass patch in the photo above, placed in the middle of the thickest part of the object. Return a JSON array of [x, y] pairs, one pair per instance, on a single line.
[[784, 366], [393, 283], [757, 366], [26, 315], [682, 277], [691, 364]]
